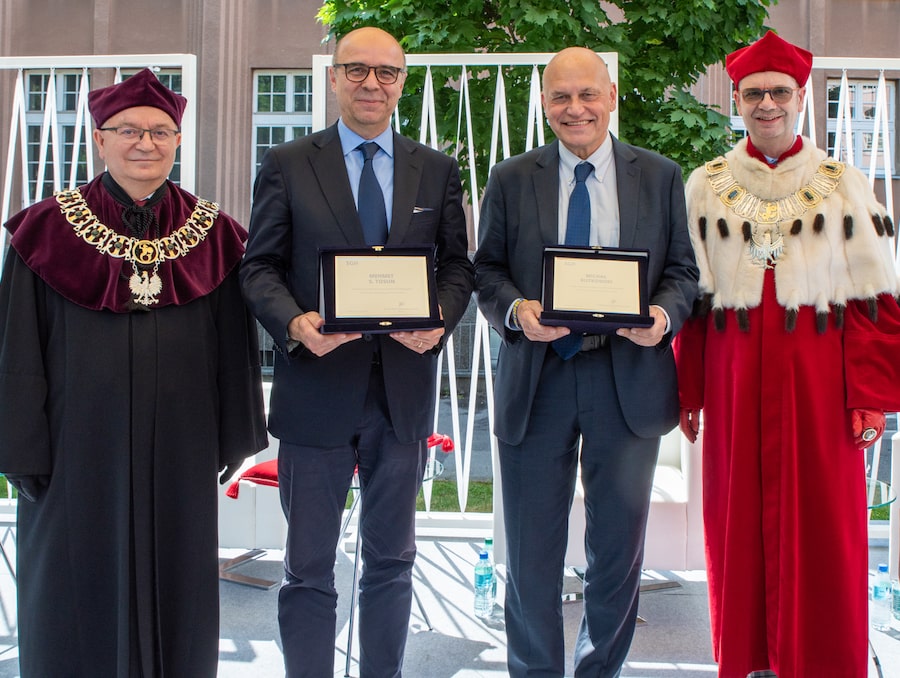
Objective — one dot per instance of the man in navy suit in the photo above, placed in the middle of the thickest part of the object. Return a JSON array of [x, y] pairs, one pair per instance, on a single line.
[[345, 400], [612, 395]]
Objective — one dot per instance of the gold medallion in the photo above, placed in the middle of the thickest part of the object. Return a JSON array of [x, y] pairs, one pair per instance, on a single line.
[[144, 255]]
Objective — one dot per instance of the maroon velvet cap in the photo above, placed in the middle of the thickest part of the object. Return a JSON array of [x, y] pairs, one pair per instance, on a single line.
[[141, 89], [770, 53]]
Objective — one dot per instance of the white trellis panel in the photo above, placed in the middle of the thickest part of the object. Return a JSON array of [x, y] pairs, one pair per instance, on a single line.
[[470, 66], [882, 140]]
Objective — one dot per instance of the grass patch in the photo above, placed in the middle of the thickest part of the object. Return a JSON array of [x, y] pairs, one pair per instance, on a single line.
[[6, 489], [443, 497], [880, 513]]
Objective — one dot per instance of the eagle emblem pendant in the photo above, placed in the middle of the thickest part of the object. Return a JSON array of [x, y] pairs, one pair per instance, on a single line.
[[145, 287], [765, 248]]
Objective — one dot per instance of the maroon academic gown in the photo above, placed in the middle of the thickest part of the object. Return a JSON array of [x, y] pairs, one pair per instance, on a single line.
[[784, 492], [130, 411]]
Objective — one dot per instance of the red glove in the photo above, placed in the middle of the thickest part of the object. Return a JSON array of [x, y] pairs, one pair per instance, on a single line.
[[868, 425], [690, 423]]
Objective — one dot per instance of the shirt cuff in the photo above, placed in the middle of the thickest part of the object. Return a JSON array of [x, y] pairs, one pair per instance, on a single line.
[[668, 319], [511, 320]]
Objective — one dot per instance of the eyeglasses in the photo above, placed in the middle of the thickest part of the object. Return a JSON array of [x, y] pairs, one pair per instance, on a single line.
[[386, 75], [780, 95], [160, 135]]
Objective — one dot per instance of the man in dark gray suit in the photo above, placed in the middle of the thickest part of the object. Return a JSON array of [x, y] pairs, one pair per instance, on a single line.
[[615, 396], [345, 400]]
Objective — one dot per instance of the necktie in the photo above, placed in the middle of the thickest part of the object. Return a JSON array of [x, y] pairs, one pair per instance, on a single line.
[[578, 232], [370, 199], [578, 223]]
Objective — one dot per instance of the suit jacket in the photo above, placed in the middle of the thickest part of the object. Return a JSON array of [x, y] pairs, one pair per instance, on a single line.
[[303, 201], [519, 216]]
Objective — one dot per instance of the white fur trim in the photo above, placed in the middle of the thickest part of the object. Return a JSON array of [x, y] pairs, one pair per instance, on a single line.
[[816, 269]]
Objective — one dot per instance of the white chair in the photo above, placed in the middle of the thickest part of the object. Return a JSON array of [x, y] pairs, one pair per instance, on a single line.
[[674, 538]]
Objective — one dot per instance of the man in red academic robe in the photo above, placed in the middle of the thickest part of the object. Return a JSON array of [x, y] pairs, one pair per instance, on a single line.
[[129, 376], [791, 357]]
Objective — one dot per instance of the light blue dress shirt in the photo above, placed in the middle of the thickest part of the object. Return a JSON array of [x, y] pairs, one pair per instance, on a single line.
[[382, 163], [601, 186]]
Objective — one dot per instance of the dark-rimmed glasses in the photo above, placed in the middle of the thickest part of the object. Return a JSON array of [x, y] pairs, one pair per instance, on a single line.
[[780, 95], [386, 75], [160, 135]]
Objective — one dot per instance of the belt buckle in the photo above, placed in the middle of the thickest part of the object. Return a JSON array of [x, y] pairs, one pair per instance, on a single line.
[[591, 342]]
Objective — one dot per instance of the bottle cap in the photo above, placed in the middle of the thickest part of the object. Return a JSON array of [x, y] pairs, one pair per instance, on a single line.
[[483, 555], [882, 567]]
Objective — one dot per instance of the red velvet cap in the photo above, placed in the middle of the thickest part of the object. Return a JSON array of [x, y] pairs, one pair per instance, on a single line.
[[770, 53], [141, 89]]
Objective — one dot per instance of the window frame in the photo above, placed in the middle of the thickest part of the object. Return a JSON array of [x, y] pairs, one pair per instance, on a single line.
[[289, 123], [35, 106]]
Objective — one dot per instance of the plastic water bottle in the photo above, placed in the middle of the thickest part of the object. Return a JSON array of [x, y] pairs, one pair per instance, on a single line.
[[484, 586], [880, 608]]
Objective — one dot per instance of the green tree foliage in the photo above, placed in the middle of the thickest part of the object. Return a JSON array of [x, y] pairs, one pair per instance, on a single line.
[[663, 47]]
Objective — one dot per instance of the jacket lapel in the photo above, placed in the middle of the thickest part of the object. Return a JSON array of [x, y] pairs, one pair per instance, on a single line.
[[545, 182], [628, 182], [331, 172], [407, 175]]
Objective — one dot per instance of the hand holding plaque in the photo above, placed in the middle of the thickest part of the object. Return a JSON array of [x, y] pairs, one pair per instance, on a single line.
[[378, 289], [595, 290]]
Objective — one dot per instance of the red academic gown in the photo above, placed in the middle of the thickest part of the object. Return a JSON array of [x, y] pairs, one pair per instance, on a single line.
[[784, 494], [130, 412]]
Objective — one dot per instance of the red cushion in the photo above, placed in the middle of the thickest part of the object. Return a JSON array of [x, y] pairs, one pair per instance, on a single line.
[[265, 473]]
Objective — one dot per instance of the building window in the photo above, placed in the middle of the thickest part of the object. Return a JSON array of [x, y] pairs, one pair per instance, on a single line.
[[282, 110], [67, 85], [862, 96], [736, 124]]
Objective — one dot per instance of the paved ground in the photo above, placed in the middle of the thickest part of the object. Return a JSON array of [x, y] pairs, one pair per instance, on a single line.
[[673, 643], [480, 462]]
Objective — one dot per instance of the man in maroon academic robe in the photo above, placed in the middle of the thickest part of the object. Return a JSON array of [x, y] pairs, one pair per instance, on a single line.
[[792, 360], [129, 376]]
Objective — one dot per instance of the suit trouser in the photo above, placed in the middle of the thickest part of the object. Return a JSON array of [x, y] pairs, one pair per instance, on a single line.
[[574, 398], [314, 483]]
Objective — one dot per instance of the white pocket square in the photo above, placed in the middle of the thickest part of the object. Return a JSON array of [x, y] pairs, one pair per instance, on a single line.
[[419, 210]]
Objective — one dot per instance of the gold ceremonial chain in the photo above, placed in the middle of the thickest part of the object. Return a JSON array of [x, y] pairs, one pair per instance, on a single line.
[[768, 244], [144, 255]]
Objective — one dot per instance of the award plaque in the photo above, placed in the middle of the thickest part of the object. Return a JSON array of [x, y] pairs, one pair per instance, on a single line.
[[378, 289], [595, 289]]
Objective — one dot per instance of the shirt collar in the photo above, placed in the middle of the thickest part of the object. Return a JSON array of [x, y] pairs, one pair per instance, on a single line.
[[350, 139], [599, 159]]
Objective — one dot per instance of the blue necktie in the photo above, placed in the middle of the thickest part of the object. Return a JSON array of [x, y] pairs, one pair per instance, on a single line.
[[578, 232], [578, 224], [370, 199]]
